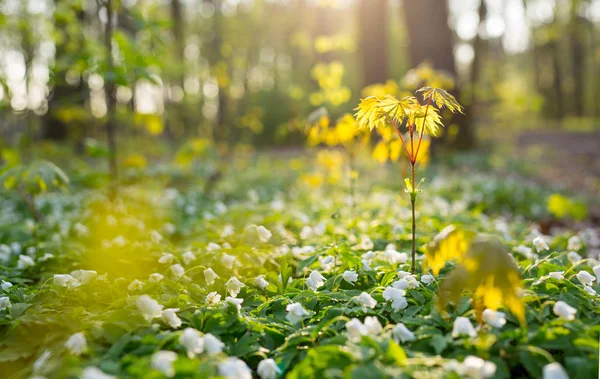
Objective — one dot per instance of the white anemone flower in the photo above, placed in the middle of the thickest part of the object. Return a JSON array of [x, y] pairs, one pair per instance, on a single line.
[[234, 286], [66, 280], [95, 373], [237, 303], [355, 329], [295, 313], [76, 344], [261, 282], [234, 368], [558, 275], [84, 276], [268, 369], [212, 344], [24, 262], [177, 270], [193, 342], [585, 278], [188, 257], [148, 307], [540, 243], [213, 298], [574, 243], [169, 316], [463, 327], [494, 318], [573, 257], [210, 276], [373, 326], [163, 361], [554, 371], [228, 261], [156, 277], [596, 270], [401, 333], [427, 278], [264, 234], [135, 285], [166, 258], [366, 300], [350, 276], [315, 280], [4, 303], [564, 310], [395, 257]]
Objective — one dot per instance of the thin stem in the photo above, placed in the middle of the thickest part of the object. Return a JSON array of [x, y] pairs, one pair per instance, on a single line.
[[413, 198], [422, 129], [402, 139]]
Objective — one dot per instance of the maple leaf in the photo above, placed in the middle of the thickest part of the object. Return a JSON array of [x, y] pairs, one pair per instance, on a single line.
[[441, 98]]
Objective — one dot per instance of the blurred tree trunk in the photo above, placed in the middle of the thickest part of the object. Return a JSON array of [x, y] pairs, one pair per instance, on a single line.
[[373, 43], [554, 47], [109, 93], [431, 39], [62, 94], [479, 55], [222, 130], [578, 67], [178, 31]]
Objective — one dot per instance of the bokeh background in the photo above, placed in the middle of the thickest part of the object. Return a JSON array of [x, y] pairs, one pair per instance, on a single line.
[[252, 71]]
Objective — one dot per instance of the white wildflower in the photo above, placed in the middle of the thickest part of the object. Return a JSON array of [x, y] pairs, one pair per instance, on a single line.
[[554, 371], [210, 276], [427, 278], [148, 307], [193, 342], [163, 361], [494, 318], [350, 276], [166, 258], [25, 262], [540, 243], [261, 282], [234, 368], [212, 344], [564, 310], [402, 334], [237, 303], [295, 312], [585, 278], [462, 326], [234, 286], [264, 234], [315, 280], [169, 316], [177, 270], [76, 344], [268, 369], [188, 257], [366, 300], [156, 277], [213, 298], [135, 285]]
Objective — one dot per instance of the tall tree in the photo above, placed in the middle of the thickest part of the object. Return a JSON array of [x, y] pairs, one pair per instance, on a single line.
[[63, 95], [109, 91], [373, 43], [431, 39]]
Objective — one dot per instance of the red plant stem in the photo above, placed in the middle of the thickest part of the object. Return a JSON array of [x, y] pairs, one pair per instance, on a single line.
[[422, 130], [402, 139]]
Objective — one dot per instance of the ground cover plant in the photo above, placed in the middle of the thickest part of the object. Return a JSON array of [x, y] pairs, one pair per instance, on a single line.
[[275, 275]]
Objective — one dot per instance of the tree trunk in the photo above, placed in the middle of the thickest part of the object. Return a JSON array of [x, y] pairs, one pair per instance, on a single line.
[[431, 39], [62, 94], [373, 43], [109, 92], [578, 69]]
